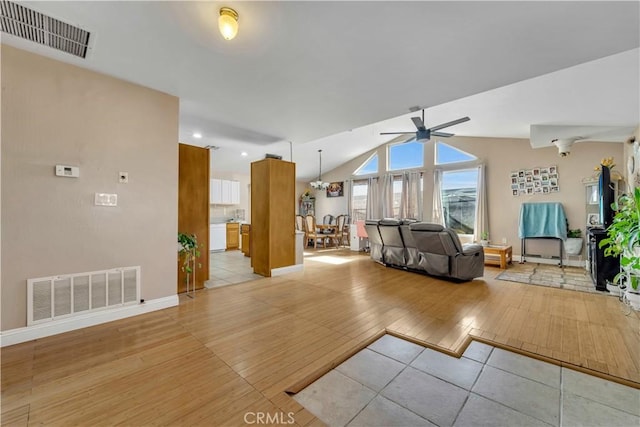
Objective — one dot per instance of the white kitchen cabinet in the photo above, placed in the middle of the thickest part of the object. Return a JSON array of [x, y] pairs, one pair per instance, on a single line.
[[235, 192], [224, 192], [215, 191]]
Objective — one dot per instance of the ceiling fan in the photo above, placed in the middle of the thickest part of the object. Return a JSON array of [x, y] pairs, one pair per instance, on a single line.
[[423, 134]]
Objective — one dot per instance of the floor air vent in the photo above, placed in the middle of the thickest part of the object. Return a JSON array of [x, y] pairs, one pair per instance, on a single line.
[[28, 24], [58, 297]]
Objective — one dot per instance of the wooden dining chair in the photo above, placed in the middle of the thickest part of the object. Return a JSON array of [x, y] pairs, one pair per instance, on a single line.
[[338, 232], [312, 232], [346, 230]]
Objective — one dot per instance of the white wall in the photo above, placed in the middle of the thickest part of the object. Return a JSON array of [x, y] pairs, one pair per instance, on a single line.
[[55, 113]]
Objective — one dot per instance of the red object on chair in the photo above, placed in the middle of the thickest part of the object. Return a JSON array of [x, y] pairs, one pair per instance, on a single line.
[[362, 232]]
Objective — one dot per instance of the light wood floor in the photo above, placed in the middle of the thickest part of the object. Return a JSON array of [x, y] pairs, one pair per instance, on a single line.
[[235, 350]]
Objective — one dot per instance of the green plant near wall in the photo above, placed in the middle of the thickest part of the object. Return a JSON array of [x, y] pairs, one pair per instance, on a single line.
[[188, 253], [623, 235], [575, 233]]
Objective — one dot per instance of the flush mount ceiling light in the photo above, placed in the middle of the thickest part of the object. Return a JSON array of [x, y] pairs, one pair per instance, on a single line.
[[197, 135], [319, 184], [228, 23]]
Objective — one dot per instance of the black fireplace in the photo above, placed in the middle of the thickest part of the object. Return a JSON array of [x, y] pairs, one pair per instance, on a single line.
[[602, 268]]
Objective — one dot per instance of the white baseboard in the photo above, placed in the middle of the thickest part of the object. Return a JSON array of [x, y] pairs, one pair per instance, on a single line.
[[29, 333], [286, 270]]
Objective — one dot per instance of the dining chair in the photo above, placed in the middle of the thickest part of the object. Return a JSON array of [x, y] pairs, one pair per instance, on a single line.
[[338, 234], [346, 230], [312, 232], [327, 219]]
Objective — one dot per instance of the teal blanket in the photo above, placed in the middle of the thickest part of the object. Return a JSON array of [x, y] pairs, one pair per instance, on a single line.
[[542, 220]]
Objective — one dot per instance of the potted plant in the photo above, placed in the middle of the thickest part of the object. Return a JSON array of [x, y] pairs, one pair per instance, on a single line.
[[573, 244], [623, 240], [484, 238], [188, 252]]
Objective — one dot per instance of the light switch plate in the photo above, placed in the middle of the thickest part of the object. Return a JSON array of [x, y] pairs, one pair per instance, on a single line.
[[106, 199]]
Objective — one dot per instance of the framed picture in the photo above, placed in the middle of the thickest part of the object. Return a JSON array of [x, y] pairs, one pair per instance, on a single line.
[[335, 189], [593, 219]]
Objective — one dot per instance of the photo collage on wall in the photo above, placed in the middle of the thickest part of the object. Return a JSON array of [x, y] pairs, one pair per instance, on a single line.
[[535, 181]]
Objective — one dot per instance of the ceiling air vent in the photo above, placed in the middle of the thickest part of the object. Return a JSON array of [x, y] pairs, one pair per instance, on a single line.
[[28, 24]]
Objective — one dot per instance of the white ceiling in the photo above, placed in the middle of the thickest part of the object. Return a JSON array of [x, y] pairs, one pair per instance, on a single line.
[[320, 73]]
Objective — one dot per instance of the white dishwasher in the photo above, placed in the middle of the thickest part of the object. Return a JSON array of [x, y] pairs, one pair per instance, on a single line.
[[217, 237]]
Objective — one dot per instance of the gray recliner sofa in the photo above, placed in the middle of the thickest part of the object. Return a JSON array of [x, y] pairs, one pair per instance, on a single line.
[[442, 254], [424, 247]]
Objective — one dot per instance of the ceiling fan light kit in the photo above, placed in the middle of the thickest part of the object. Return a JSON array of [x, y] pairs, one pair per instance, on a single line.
[[228, 23], [319, 184], [422, 133]]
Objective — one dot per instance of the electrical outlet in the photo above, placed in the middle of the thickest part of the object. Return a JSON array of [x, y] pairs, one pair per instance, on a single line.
[[123, 177], [106, 199], [504, 240]]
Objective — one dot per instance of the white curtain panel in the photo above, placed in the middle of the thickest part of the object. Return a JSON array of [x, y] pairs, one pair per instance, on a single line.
[[482, 217], [373, 199], [437, 216], [411, 201], [348, 191], [386, 195]]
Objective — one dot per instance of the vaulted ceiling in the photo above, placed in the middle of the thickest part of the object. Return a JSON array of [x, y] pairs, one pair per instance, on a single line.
[[332, 75]]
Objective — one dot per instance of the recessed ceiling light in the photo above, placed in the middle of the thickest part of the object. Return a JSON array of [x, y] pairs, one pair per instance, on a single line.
[[197, 135], [244, 154]]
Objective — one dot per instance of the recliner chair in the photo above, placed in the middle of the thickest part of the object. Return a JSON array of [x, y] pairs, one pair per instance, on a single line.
[[411, 254], [392, 244], [442, 254], [375, 241]]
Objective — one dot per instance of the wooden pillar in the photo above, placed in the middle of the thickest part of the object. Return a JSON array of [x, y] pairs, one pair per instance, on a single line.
[[193, 207], [273, 209]]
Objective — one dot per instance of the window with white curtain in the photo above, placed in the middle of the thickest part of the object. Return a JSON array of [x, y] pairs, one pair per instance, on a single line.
[[459, 192], [359, 199]]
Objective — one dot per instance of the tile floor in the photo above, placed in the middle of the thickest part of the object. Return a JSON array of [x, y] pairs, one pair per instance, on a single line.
[[228, 268], [394, 382]]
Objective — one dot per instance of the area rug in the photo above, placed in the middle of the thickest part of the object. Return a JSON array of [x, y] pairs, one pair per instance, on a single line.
[[572, 278]]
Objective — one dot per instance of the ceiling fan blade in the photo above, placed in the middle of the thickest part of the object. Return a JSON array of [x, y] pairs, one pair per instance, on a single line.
[[419, 123], [451, 123], [442, 134], [395, 133]]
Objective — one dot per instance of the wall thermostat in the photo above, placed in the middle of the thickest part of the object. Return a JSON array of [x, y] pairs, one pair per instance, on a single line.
[[67, 171]]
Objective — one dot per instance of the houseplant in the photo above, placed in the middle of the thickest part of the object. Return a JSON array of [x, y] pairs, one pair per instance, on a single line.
[[623, 240], [573, 244], [484, 238], [188, 252]]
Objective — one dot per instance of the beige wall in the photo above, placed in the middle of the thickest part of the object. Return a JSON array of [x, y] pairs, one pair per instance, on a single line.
[[501, 156], [54, 113]]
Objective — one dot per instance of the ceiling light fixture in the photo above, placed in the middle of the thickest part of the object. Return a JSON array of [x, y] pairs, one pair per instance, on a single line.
[[319, 184], [244, 154], [228, 23], [197, 135]]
